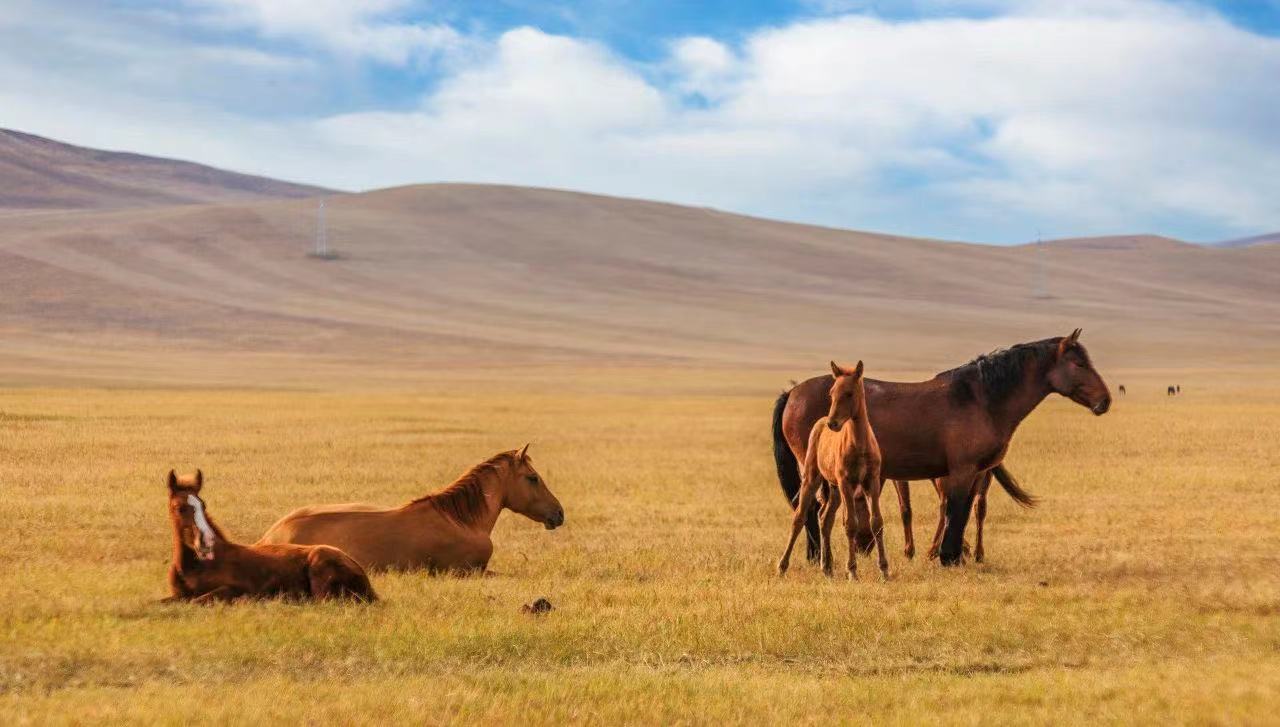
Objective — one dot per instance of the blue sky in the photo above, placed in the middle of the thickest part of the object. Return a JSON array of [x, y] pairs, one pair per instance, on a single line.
[[981, 120]]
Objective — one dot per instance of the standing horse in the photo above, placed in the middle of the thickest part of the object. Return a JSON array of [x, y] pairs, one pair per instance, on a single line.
[[208, 567], [1122, 390], [448, 530], [956, 426], [843, 461], [1171, 392]]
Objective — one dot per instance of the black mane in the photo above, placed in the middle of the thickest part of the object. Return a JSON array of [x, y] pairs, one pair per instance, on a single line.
[[998, 373]]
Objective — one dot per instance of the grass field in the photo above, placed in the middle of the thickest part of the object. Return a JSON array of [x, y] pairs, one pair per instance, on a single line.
[[1145, 588]]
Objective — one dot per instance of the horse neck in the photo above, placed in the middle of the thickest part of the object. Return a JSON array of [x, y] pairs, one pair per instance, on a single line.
[[493, 492], [1023, 399], [860, 424], [494, 487]]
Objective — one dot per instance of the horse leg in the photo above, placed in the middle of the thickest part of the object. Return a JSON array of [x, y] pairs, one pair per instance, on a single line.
[[813, 550], [959, 488], [980, 512], [865, 541], [223, 594], [804, 501], [904, 505], [877, 521], [851, 495], [828, 518], [942, 519]]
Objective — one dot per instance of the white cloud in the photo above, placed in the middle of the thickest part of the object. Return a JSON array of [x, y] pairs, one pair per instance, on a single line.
[[1103, 117], [368, 28]]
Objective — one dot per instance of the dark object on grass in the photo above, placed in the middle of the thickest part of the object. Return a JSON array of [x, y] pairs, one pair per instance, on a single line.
[[539, 606]]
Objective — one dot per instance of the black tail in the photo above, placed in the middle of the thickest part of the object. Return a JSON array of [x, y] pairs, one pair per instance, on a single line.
[[1011, 486], [789, 473]]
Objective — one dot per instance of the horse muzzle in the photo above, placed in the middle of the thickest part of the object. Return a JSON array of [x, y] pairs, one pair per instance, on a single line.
[[1102, 407], [555, 520]]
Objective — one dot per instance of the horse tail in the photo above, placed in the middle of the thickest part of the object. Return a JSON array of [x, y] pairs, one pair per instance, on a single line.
[[783, 457], [789, 475], [1011, 486]]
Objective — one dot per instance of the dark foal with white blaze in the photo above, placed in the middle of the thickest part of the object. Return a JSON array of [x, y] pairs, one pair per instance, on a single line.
[[842, 462], [208, 567]]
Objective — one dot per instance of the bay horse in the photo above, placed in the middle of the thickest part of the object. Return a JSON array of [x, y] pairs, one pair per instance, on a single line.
[[956, 426], [842, 462], [208, 567], [448, 530]]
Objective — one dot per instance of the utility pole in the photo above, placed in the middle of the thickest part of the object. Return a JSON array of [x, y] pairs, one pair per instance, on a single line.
[[1042, 278], [321, 250]]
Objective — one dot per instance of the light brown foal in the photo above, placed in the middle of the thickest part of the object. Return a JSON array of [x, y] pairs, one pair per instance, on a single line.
[[842, 462]]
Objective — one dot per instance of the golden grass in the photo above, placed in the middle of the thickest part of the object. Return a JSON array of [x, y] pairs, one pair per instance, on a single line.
[[1145, 588]]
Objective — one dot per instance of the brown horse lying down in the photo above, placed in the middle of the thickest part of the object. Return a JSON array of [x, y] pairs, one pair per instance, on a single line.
[[208, 567], [843, 461], [448, 530]]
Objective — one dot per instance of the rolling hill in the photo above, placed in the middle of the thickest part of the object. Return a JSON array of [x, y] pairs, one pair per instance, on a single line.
[[438, 277], [1267, 239], [39, 173]]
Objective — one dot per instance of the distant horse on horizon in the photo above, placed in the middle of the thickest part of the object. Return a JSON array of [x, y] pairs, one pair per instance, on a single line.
[[956, 426], [208, 567], [1172, 391], [447, 530], [1122, 390]]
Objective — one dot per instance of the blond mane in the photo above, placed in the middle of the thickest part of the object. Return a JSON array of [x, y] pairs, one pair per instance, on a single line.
[[463, 501]]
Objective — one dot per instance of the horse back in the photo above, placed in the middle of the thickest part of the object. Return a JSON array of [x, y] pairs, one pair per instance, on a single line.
[[909, 420]]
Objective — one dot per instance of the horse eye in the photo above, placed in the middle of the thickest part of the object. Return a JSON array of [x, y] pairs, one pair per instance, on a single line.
[[533, 479]]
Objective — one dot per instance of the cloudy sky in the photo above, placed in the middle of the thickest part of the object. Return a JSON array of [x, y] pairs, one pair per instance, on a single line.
[[983, 120]]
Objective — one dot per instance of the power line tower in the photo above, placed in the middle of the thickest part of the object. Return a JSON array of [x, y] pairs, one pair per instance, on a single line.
[[1041, 276], [321, 250]]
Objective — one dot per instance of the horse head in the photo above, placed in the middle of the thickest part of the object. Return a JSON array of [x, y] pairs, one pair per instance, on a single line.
[[847, 395], [188, 515], [1072, 375], [528, 494]]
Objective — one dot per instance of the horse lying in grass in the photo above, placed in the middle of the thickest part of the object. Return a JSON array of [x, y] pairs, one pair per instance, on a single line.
[[842, 462], [208, 567], [448, 530]]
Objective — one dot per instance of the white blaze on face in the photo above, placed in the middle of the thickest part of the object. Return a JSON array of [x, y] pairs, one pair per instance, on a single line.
[[207, 537]]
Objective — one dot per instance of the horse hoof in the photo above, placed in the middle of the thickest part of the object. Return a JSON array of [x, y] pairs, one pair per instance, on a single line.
[[853, 576], [910, 553]]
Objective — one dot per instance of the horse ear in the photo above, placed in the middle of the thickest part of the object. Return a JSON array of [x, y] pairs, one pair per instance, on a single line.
[[524, 453], [836, 370], [857, 370], [172, 480], [1075, 335], [199, 480]]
